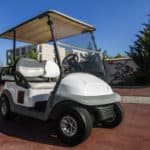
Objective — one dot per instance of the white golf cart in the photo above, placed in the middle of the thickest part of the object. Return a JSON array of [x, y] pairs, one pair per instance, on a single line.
[[72, 91]]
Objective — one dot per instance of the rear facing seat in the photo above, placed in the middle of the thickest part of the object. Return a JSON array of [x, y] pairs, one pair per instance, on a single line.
[[31, 68]]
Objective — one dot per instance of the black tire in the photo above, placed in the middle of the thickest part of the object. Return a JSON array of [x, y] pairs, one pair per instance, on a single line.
[[82, 122], [5, 112], [117, 119]]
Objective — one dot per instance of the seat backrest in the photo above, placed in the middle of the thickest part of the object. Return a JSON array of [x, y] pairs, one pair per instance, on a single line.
[[51, 69], [29, 67]]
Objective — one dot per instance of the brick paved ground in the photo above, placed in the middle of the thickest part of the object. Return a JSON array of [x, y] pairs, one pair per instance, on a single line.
[[133, 91], [28, 134]]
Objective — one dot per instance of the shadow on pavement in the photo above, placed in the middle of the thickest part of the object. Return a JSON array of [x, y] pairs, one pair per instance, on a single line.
[[31, 130]]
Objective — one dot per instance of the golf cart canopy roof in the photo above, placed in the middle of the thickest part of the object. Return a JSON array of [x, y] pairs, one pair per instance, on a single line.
[[36, 30]]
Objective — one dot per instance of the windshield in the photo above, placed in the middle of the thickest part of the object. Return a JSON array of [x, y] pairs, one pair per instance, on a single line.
[[81, 55]]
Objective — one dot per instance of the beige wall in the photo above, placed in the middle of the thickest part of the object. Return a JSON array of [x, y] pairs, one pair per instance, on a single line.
[[46, 52]]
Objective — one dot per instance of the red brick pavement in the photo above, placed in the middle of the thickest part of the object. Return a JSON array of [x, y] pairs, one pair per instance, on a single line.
[[133, 91], [28, 134]]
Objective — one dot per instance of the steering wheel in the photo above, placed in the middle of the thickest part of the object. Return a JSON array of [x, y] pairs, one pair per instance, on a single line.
[[4, 71], [71, 63]]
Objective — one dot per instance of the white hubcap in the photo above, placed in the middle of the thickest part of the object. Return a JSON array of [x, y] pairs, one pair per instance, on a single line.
[[68, 126], [4, 108]]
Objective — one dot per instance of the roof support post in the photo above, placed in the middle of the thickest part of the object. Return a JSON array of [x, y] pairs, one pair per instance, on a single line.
[[14, 45], [53, 93], [51, 25], [93, 38]]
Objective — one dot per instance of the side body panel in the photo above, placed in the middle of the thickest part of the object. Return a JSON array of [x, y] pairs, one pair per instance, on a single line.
[[30, 96]]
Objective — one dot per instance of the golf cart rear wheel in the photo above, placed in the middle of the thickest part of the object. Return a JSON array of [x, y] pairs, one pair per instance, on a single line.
[[74, 125], [5, 112], [116, 120]]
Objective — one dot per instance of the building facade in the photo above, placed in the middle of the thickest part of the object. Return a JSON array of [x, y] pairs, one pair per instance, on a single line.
[[44, 51]]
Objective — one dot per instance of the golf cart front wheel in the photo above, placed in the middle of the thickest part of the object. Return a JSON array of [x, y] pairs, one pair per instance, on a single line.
[[117, 117], [5, 112], [74, 125]]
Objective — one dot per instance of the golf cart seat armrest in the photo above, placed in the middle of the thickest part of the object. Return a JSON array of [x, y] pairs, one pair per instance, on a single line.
[[21, 80]]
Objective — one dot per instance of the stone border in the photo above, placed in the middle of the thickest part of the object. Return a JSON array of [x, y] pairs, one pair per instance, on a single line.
[[135, 99]]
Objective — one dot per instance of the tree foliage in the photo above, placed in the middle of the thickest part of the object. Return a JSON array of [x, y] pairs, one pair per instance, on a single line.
[[118, 56], [140, 53], [107, 56], [32, 53]]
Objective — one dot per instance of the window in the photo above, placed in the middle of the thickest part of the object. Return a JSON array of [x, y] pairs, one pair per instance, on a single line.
[[17, 52], [23, 51], [9, 53], [40, 58], [40, 48]]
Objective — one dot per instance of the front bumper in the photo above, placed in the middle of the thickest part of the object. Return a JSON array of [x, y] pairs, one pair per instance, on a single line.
[[94, 100], [103, 112]]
